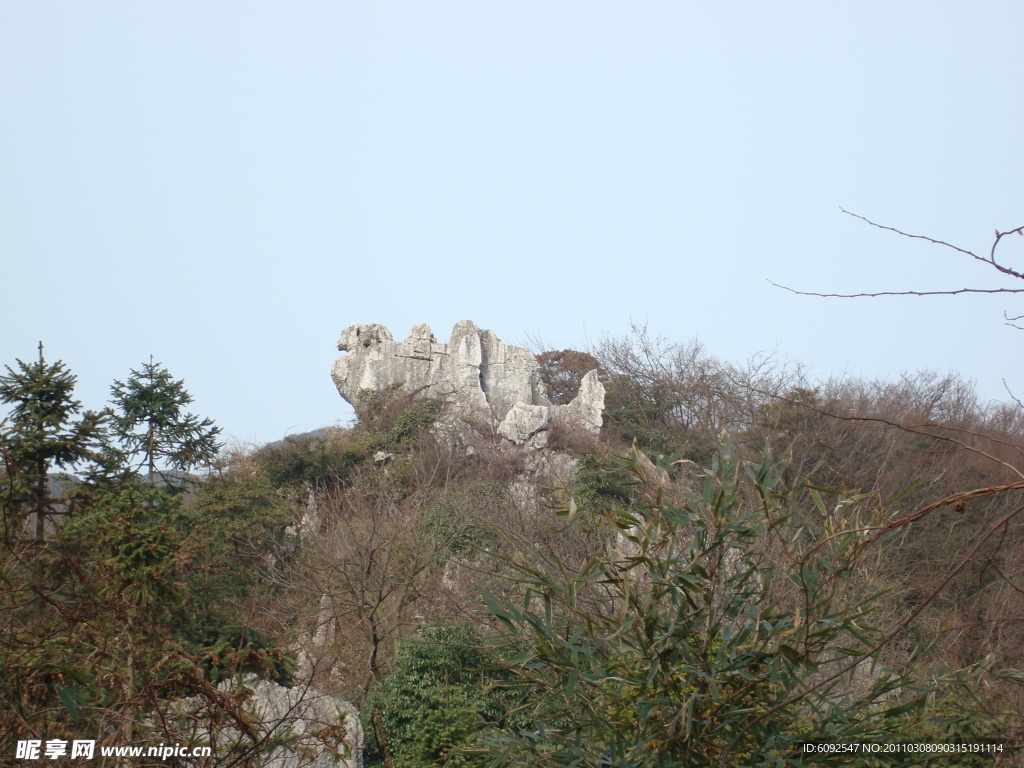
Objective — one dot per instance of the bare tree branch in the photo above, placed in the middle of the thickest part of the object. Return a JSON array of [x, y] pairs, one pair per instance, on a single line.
[[990, 260], [896, 293], [1013, 396], [1010, 321], [927, 429]]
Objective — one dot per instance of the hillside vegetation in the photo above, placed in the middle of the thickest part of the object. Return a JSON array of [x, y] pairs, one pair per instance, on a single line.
[[745, 561]]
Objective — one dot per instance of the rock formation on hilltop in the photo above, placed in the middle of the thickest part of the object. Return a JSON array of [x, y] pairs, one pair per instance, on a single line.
[[478, 375]]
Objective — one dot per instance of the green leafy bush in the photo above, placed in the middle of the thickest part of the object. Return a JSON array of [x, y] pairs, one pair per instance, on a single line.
[[387, 421], [717, 632], [233, 537], [393, 416], [321, 460], [440, 694]]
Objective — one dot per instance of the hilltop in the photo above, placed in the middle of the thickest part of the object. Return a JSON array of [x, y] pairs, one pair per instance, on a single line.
[[638, 551]]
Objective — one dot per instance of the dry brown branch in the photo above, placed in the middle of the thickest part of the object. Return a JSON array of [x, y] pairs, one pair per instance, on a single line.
[[926, 429], [989, 260], [1012, 321], [896, 293], [1010, 392], [875, 532]]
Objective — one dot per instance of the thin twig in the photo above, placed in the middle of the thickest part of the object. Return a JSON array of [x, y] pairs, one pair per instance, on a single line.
[[912, 429], [896, 293], [990, 260]]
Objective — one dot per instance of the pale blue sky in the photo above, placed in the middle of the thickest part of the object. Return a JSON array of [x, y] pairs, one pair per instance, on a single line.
[[226, 186]]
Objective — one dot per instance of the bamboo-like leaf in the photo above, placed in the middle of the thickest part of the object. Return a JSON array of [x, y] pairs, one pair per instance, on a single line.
[[71, 701]]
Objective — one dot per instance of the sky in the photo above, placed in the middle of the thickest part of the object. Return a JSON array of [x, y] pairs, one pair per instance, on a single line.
[[226, 186]]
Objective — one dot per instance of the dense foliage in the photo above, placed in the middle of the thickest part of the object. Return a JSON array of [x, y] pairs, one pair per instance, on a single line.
[[745, 559], [444, 689], [148, 429], [103, 615], [42, 432], [719, 631]]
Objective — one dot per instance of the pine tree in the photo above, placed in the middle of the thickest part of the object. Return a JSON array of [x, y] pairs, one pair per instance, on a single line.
[[152, 432], [94, 612], [41, 432]]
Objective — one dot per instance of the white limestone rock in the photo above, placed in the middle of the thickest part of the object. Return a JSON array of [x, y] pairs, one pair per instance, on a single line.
[[651, 474], [524, 422], [309, 716], [524, 494], [554, 467], [457, 435], [487, 383], [311, 729], [586, 409], [476, 372]]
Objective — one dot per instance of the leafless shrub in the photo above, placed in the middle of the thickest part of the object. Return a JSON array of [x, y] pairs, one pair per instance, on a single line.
[[572, 438]]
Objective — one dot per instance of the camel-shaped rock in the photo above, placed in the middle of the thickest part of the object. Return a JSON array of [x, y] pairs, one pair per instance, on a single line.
[[477, 374]]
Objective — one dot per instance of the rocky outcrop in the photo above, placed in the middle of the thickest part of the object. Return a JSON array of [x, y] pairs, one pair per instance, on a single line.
[[478, 375], [586, 409], [524, 422], [296, 727], [474, 371]]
